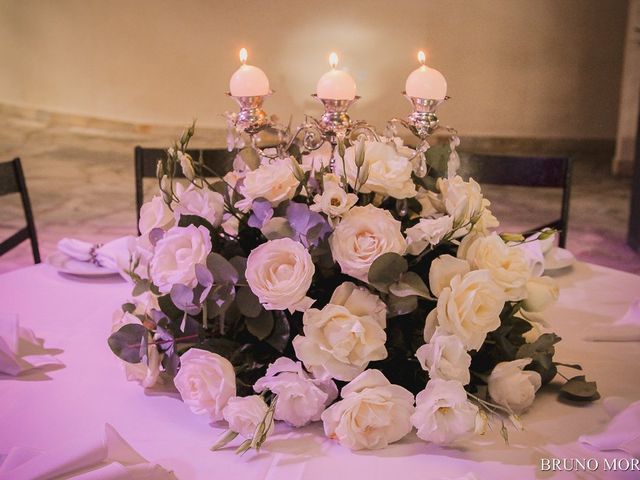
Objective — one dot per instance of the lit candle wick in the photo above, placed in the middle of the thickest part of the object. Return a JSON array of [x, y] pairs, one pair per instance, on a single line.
[[243, 55], [333, 60], [421, 57]]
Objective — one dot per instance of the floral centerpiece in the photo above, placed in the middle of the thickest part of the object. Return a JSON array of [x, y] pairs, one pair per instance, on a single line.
[[355, 288]]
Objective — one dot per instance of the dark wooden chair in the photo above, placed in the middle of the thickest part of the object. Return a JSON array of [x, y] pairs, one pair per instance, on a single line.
[[12, 181], [146, 159], [552, 172]]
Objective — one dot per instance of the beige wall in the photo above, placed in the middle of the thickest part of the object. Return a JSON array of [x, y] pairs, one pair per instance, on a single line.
[[526, 68]]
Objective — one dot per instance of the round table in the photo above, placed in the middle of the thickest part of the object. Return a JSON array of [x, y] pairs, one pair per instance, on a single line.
[[44, 408]]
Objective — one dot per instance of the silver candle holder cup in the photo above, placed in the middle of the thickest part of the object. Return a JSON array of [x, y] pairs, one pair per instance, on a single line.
[[423, 119], [335, 120], [251, 117]]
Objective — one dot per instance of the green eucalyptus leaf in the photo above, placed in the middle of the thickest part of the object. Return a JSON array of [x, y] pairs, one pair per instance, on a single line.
[[222, 270], [438, 158], [240, 264], [541, 352], [220, 298], [250, 157], [198, 221], [279, 337], [128, 307], [401, 305], [127, 341], [386, 269], [410, 284], [168, 308], [262, 325], [248, 303], [141, 287], [578, 388], [277, 227]]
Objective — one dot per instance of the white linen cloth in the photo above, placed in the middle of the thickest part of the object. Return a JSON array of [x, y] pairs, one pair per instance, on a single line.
[[20, 350], [626, 329], [622, 433], [113, 255], [91, 391], [95, 457]]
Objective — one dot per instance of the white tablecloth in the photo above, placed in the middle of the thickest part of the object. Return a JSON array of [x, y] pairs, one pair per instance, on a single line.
[[44, 409]]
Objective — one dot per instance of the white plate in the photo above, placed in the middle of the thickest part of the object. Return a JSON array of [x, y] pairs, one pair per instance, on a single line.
[[558, 258], [65, 264]]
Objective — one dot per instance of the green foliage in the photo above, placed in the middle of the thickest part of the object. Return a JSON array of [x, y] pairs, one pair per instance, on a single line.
[[261, 325], [248, 303], [579, 389], [408, 284], [128, 343], [541, 351], [386, 269]]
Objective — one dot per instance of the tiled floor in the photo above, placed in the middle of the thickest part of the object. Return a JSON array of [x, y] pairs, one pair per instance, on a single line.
[[81, 184]]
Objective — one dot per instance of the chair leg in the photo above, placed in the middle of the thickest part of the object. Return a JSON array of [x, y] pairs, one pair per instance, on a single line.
[[562, 241], [35, 249]]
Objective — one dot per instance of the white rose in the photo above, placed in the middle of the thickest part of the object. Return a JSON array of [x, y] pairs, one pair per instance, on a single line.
[[538, 324], [202, 202], [509, 266], [443, 269], [206, 381], [372, 413], [243, 414], [512, 387], [186, 164], [279, 273], [430, 202], [445, 357], [341, 339], [443, 413], [231, 225], [155, 214], [389, 171], [363, 235], [462, 200], [334, 201], [274, 181], [487, 220], [470, 308], [176, 256], [541, 292], [428, 231], [301, 398]]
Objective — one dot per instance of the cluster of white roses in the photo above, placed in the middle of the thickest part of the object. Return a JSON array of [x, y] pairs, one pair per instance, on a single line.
[[342, 338]]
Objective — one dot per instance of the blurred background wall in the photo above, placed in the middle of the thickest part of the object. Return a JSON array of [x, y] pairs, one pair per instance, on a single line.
[[516, 68]]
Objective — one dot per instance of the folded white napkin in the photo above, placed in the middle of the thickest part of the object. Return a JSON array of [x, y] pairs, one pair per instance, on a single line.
[[113, 255], [106, 456], [622, 433], [533, 252], [626, 329], [20, 350]]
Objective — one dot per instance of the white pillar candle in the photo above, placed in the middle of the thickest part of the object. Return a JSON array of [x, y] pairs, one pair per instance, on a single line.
[[336, 84], [425, 82], [248, 80]]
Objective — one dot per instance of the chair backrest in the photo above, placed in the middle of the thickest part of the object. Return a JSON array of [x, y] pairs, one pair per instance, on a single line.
[[524, 171], [218, 160], [12, 181]]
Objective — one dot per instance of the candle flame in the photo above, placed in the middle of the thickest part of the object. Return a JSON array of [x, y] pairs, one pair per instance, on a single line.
[[333, 59], [243, 55], [421, 57]]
